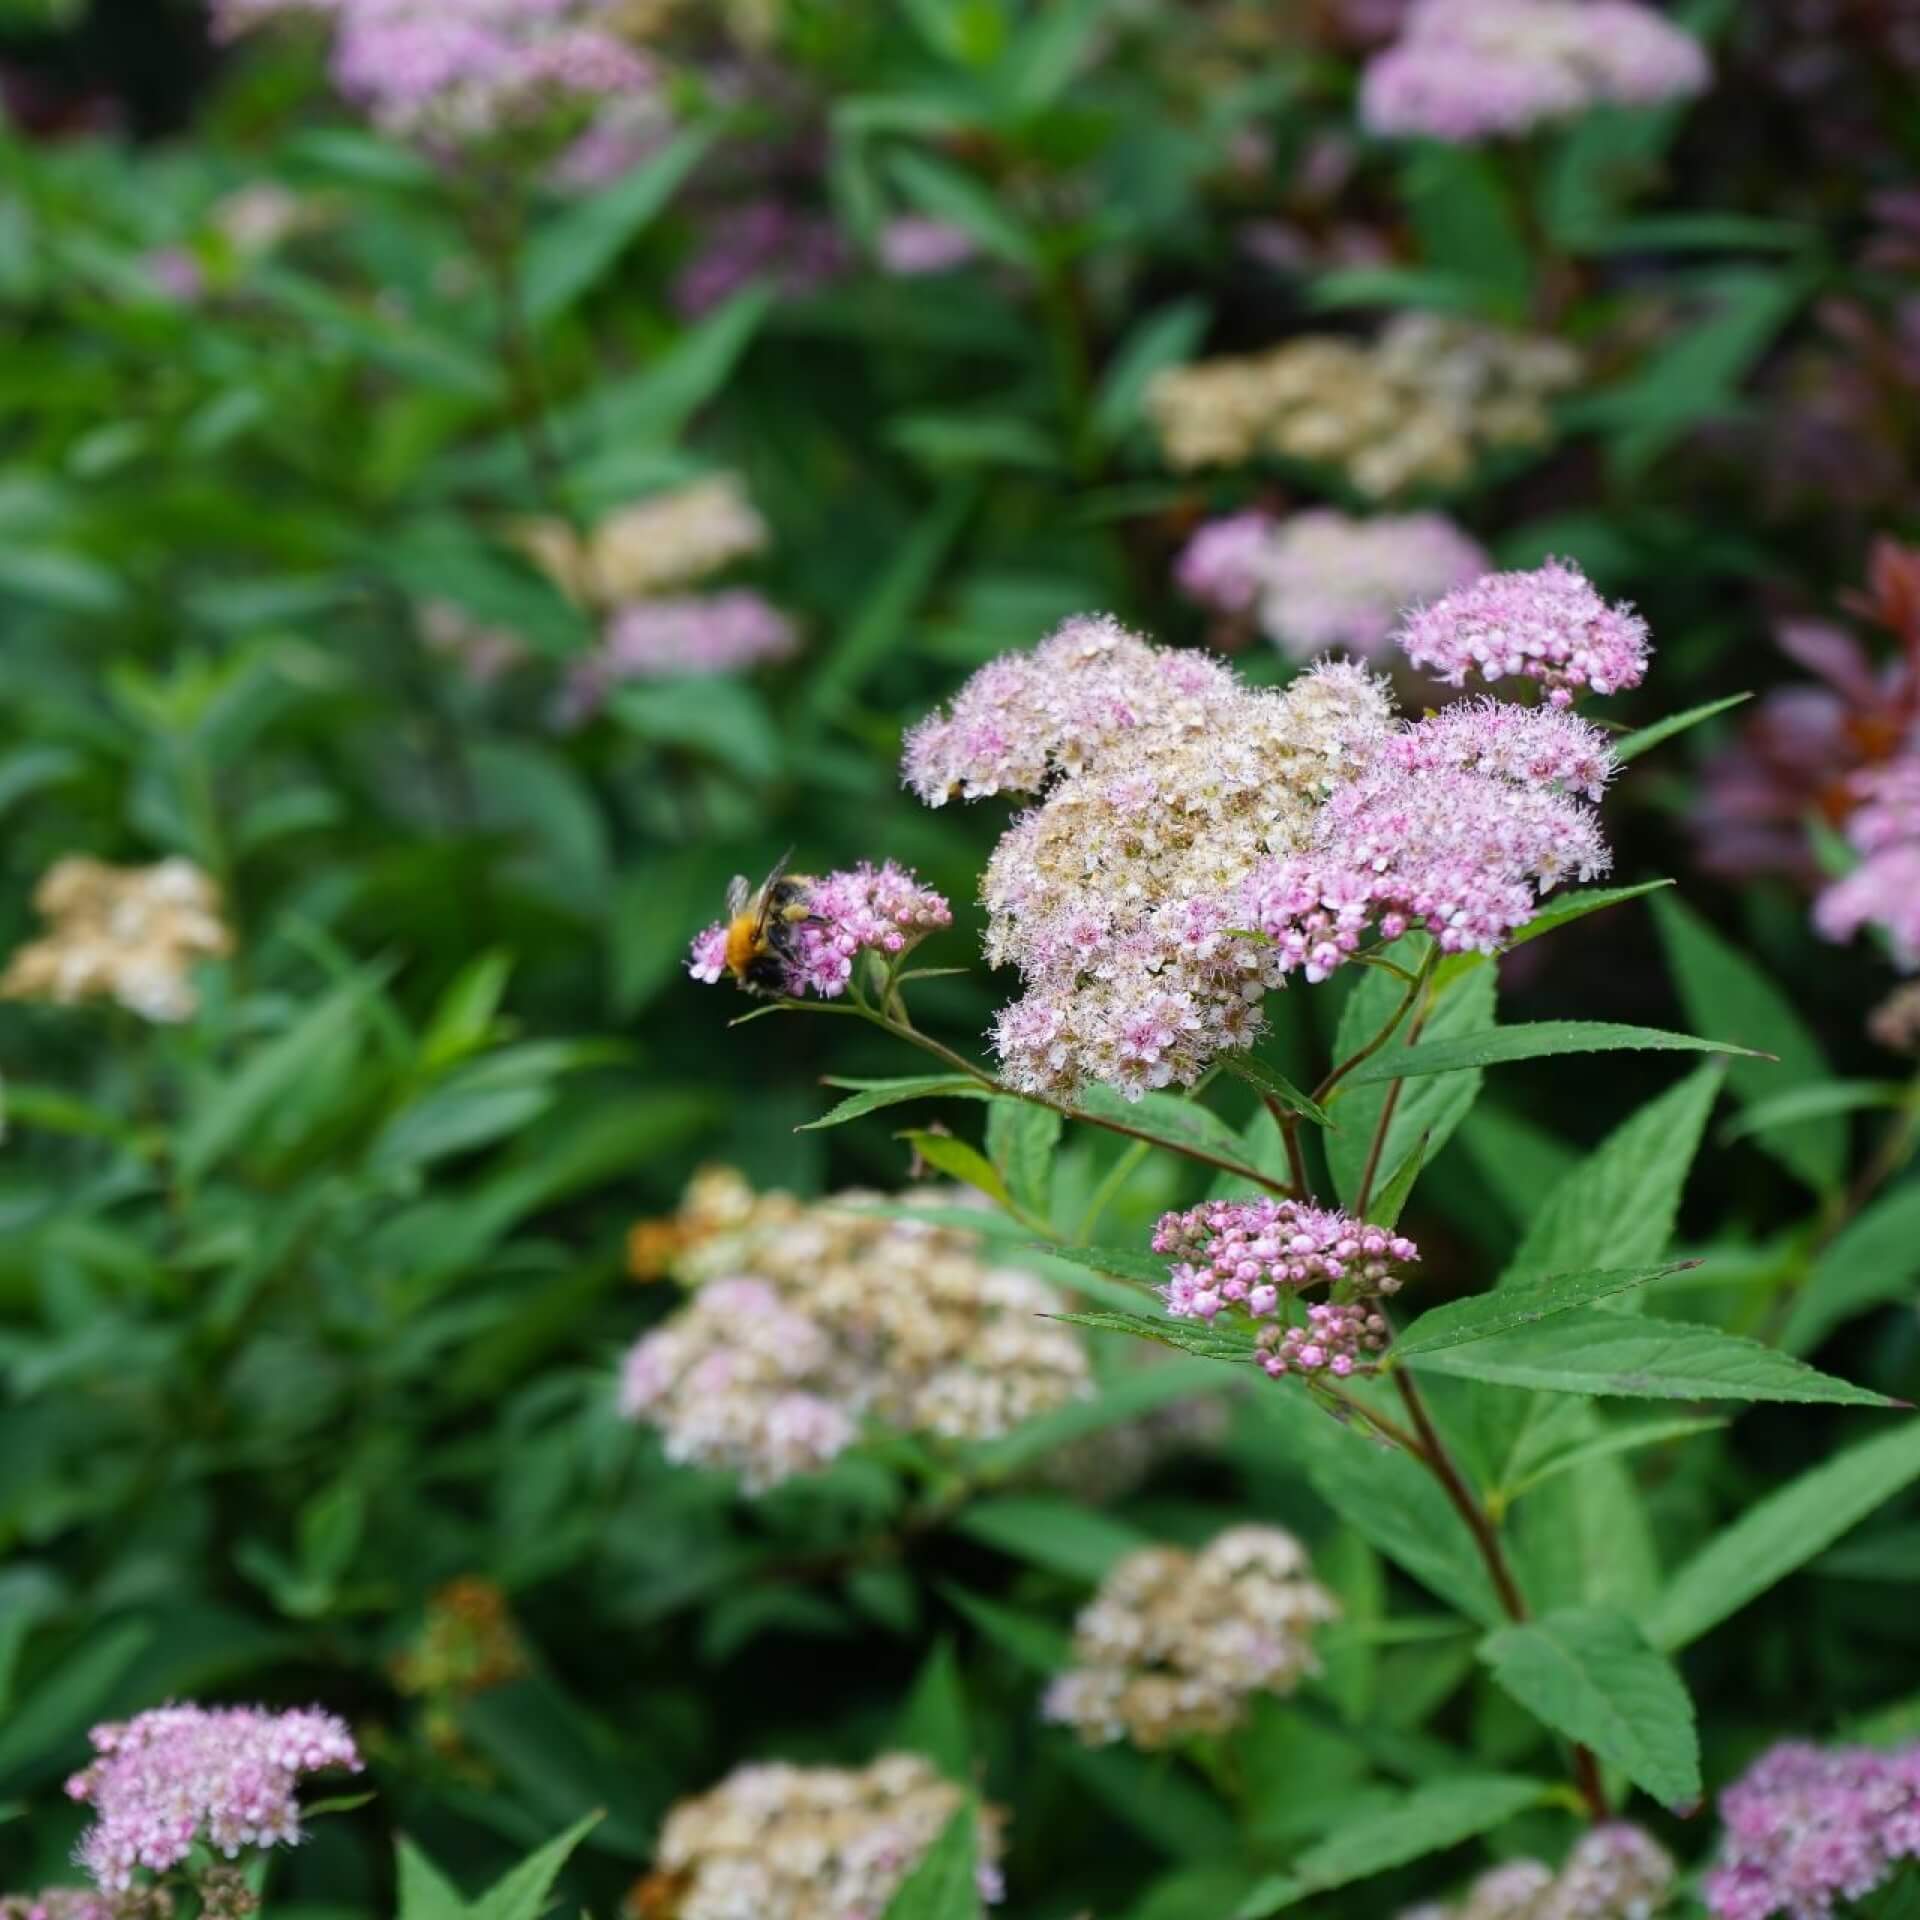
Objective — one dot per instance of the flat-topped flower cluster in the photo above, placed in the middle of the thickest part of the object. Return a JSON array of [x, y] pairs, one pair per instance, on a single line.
[[1616, 1871], [806, 1318]]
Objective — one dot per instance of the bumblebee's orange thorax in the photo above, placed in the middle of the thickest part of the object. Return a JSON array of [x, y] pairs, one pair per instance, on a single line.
[[743, 932]]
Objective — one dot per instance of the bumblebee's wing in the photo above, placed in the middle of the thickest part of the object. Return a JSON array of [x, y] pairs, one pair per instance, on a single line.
[[763, 900], [739, 892]]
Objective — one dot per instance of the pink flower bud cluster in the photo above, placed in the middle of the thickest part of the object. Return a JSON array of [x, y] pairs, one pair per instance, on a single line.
[[1457, 826], [1548, 625], [1808, 1827], [1323, 579], [1469, 70], [1884, 889], [856, 910], [1259, 1256], [224, 1776]]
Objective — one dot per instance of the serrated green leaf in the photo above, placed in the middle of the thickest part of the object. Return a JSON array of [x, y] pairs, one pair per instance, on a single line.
[[1630, 746], [1270, 1080], [874, 1095], [1781, 1533], [1430, 1819], [1209, 1342], [960, 1162], [1591, 1351], [1125, 1263], [1588, 1673], [1729, 998], [1021, 1140], [1533, 1040], [1483, 1315], [522, 1892]]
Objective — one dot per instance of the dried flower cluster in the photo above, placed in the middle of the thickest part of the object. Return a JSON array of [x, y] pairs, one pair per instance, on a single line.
[[83, 1903], [1322, 579], [1262, 1256], [1457, 825], [1166, 781], [1808, 1827], [1615, 1872], [1884, 889], [807, 1317], [222, 1776], [1176, 1644], [467, 1643], [128, 934], [1416, 407], [451, 72], [1548, 625], [778, 1842], [855, 910], [1895, 1022], [1469, 70]]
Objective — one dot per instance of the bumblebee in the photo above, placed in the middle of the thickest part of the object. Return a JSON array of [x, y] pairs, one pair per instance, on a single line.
[[762, 924]]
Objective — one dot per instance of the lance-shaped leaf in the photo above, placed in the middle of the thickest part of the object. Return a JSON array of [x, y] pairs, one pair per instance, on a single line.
[[1588, 1673], [870, 1096], [1535, 1040], [1483, 1315]]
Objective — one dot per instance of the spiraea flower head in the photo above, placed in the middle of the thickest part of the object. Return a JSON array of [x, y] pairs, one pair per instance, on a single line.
[[1470, 70], [129, 934], [452, 72], [1416, 406], [1616, 1871], [1884, 889], [1457, 825], [1163, 780], [806, 1318], [1176, 1644], [837, 917], [1324, 580], [780, 1842], [1225, 565], [223, 1776], [1261, 1257], [1811, 1828], [1547, 625]]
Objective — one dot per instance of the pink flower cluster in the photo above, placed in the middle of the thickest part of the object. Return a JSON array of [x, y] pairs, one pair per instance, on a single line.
[[1807, 1827], [664, 639], [1469, 70], [1323, 579], [1457, 825], [451, 71], [794, 248], [1257, 1255], [1884, 889], [223, 1775], [1548, 625], [1027, 717], [863, 909]]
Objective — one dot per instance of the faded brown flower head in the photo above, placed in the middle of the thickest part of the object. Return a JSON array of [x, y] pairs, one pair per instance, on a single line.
[[1415, 407], [778, 1842], [467, 1643], [128, 934], [1895, 1022], [1615, 1872], [1176, 1644], [807, 1317]]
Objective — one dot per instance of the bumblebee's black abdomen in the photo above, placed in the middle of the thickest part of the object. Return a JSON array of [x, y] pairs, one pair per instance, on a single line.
[[766, 973]]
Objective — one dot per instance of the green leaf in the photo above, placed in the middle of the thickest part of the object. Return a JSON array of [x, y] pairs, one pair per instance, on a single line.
[[1137, 1391], [874, 1095], [1587, 1673], [1483, 1315], [1814, 1101], [425, 1892], [569, 255], [1036, 1644], [1209, 1342], [1592, 1351], [1051, 1531], [1172, 1123], [960, 1162], [655, 404], [1156, 1798], [1781, 1533], [1433, 1107], [1729, 998], [1430, 1819], [942, 1886], [726, 720], [522, 1892], [1125, 1263], [1569, 907], [1538, 1460], [1167, 337], [1387, 1205], [1468, 224], [1874, 1259], [1021, 1138], [1630, 746], [1533, 1040], [1618, 1205], [934, 1720], [236, 1105], [58, 1709], [938, 188], [1270, 1080]]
